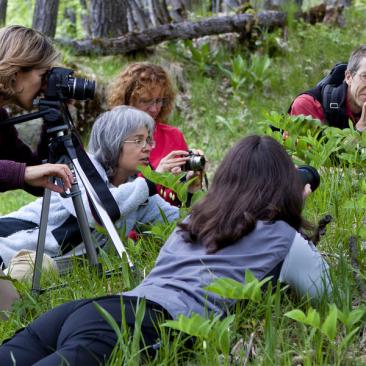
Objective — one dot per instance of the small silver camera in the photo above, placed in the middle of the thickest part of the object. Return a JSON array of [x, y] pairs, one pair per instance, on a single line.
[[195, 162]]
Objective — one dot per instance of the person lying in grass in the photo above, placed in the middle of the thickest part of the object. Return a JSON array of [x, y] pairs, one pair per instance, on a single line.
[[120, 141], [250, 219]]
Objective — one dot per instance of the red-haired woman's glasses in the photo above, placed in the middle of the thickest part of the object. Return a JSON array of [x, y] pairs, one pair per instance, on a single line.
[[155, 101]]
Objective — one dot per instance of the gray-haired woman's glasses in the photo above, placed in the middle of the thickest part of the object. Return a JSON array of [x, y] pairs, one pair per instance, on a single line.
[[142, 143]]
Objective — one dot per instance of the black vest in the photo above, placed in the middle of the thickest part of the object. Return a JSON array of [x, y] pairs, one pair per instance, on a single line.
[[331, 93], [333, 100]]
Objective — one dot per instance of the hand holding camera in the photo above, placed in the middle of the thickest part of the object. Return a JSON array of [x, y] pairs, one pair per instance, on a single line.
[[173, 162], [309, 175], [195, 167], [180, 160]]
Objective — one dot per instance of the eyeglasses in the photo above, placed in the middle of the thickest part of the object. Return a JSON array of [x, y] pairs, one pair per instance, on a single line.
[[155, 101], [142, 143]]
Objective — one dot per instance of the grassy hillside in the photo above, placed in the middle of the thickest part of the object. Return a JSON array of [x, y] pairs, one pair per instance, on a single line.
[[225, 93]]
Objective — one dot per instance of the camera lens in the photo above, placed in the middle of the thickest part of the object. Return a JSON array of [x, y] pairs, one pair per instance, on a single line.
[[309, 175], [81, 89], [195, 162]]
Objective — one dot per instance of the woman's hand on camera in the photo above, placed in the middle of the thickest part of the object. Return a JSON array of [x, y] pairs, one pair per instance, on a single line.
[[307, 190], [39, 175], [172, 162], [196, 185]]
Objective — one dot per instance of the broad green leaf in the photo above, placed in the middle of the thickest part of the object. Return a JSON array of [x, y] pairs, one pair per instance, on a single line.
[[329, 327], [222, 333], [296, 315], [195, 326], [232, 289], [345, 341]]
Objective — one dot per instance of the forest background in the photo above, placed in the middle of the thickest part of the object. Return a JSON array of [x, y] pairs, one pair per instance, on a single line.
[[229, 85]]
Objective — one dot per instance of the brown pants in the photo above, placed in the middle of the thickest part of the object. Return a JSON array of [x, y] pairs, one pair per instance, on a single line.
[[8, 295]]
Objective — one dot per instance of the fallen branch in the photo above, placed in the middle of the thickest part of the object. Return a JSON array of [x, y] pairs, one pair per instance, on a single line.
[[242, 23]]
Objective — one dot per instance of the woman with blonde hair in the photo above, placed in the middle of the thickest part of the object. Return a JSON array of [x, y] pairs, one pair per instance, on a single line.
[[25, 58]]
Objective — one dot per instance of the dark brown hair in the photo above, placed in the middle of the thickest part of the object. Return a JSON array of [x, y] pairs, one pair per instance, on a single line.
[[257, 180]]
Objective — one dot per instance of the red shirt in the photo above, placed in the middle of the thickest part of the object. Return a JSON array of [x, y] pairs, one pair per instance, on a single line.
[[168, 138], [307, 105]]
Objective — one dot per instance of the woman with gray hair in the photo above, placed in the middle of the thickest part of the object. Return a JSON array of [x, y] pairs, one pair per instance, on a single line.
[[120, 141]]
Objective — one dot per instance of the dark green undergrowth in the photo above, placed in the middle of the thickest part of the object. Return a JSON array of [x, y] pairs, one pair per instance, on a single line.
[[225, 93]]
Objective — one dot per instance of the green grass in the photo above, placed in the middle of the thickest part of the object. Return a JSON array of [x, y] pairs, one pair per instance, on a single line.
[[213, 116], [12, 200]]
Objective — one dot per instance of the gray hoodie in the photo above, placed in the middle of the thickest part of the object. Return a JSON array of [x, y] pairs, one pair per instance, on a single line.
[[182, 269]]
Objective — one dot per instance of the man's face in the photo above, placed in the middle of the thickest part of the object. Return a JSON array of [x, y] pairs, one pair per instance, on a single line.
[[357, 87]]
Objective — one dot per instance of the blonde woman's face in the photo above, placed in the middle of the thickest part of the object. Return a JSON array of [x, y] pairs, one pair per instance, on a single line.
[[28, 85], [150, 101]]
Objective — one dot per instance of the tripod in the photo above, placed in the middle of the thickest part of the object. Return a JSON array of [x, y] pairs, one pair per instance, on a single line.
[[62, 150]]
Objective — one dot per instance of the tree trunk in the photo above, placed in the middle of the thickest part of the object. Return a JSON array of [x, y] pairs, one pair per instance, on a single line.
[[231, 4], [45, 16], [108, 18], [3, 6], [138, 15], [70, 18], [242, 23], [152, 13], [178, 10], [164, 12], [85, 19]]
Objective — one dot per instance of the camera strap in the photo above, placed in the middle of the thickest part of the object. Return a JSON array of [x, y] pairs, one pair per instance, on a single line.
[[100, 187]]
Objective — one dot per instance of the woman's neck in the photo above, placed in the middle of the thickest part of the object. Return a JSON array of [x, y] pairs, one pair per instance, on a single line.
[[119, 178]]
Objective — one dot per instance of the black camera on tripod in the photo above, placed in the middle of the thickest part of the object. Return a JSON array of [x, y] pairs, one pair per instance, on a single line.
[[62, 85]]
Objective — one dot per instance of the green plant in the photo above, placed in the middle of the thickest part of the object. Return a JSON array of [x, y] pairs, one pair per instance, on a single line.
[[252, 74]]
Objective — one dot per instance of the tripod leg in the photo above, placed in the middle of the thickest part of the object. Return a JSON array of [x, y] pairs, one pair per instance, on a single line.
[[83, 224], [37, 272], [107, 222]]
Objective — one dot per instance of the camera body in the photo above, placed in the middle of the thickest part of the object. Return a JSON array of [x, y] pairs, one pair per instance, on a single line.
[[309, 175], [61, 85], [195, 162]]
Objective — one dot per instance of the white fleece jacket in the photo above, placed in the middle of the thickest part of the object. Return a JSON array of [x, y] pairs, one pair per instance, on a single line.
[[132, 198]]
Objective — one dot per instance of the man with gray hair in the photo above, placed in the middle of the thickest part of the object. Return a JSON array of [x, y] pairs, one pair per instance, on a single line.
[[339, 97]]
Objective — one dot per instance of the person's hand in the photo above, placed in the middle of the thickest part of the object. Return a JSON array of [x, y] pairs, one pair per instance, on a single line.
[[38, 176], [172, 162], [196, 185], [307, 190], [361, 124]]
